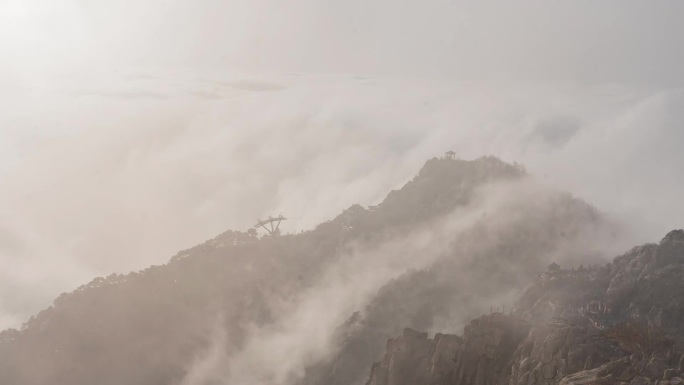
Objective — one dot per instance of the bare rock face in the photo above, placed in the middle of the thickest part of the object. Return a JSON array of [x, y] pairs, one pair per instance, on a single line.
[[490, 342], [444, 360], [671, 249], [584, 377], [621, 323], [669, 374], [556, 349], [481, 357], [413, 358], [499, 349], [640, 381]]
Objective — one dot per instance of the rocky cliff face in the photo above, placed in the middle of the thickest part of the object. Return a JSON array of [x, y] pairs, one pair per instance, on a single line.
[[481, 356], [612, 324]]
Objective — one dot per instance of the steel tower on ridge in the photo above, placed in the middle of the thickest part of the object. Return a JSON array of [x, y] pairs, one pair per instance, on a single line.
[[272, 230]]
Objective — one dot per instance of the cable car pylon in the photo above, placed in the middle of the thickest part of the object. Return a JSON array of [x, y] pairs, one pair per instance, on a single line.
[[268, 224]]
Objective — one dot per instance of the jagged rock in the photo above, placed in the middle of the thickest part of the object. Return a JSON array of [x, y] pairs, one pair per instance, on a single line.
[[617, 369], [670, 249], [445, 357], [552, 351], [656, 367], [409, 359], [596, 325], [581, 378], [669, 374], [479, 358], [640, 381], [489, 343]]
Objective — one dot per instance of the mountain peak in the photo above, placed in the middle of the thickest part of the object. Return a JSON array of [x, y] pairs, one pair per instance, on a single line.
[[453, 168], [244, 283], [673, 236], [671, 249]]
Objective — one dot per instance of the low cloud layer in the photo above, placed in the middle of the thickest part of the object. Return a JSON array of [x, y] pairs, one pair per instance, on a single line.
[[95, 184], [178, 137]]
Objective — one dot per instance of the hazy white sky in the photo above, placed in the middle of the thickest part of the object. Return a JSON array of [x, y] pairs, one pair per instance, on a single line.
[[132, 129], [607, 41]]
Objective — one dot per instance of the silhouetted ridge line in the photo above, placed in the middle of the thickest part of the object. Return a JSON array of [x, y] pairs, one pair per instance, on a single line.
[[151, 326]]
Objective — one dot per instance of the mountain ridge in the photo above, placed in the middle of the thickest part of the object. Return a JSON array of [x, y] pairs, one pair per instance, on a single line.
[[161, 320]]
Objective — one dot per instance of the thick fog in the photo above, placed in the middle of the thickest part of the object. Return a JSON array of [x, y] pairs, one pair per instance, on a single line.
[[132, 129]]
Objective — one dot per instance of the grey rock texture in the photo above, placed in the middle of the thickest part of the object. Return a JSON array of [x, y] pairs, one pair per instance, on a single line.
[[615, 324], [481, 357], [412, 358]]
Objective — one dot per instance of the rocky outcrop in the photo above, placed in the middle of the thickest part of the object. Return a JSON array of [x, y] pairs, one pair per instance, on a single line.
[[624, 371], [480, 357], [585, 377], [499, 349], [671, 250], [413, 358], [620, 323], [556, 349]]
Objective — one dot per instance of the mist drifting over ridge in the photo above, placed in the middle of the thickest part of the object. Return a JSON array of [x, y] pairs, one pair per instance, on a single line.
[[130, 130], [240, 309], [167, 172]]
